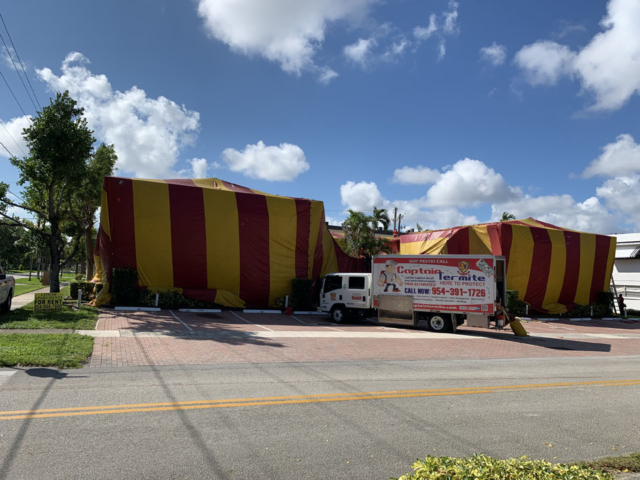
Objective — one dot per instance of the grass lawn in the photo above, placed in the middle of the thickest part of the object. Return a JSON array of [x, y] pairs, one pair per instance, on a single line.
[[61, 350], [22, 288], [25, 317], [626, 463]]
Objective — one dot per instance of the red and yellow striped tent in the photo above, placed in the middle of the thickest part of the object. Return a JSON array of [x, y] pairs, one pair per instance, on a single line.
[[552, 268], [213, 240]]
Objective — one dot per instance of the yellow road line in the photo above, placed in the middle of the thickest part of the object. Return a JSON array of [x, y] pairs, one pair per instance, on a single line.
[[289, 400]]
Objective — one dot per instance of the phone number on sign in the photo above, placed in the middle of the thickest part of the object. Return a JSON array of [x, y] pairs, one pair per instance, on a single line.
[[471, 292]]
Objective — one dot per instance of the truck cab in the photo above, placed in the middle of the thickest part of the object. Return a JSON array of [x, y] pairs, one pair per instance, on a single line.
[[344, 293]]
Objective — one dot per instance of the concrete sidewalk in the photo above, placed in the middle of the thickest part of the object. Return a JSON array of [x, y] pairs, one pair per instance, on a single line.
[[22, 300]]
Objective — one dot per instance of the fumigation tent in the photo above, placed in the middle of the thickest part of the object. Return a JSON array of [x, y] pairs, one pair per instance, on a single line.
[[213, 240], [552, 268]]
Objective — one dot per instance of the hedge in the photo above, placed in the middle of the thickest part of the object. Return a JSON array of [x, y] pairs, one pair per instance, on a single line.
[[123, 290], [481, 467], [172, 299], [86, 287], [302, 294]]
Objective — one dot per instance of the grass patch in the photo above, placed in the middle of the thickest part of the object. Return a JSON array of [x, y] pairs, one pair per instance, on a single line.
[[25, 317], [25, 281], [626, 463], [61, 350], [481, 467], [22, 289]]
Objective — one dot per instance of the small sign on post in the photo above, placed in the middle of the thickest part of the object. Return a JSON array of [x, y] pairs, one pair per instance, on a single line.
[[48, 302]]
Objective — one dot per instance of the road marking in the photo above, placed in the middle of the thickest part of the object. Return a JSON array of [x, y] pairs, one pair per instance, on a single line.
[[295, 399], [176, 317], [249, 321], [5, 375], [315, 324]]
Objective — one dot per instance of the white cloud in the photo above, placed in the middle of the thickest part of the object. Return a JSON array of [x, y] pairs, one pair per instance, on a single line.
[[361, 196], [451, 18], [623, 194], [360, 52], [423, 33], [545, 62], [11, 136], [283, 31], [608, 67], [442, 50], [326, 74], [469, 182], [619, 158], [495, 54], [273, 163], [415, 176], [148, 134]]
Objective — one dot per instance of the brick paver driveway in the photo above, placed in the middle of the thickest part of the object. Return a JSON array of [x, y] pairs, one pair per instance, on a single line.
[[180, 338]]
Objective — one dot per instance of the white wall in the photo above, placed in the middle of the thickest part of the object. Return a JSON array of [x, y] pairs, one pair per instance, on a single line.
[[626, 271]]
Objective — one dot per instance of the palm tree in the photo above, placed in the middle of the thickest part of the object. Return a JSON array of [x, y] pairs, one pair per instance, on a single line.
[[506, 216], [380, 216], [356, 231]]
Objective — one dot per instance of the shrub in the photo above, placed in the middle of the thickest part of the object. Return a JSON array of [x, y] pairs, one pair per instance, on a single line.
[[583, 311], [86, 287], [481, 467], [73, 290], [301, 294], [79, 277], [123, 290], [171, 299], [605, 298], [515, 306], [634, 312]]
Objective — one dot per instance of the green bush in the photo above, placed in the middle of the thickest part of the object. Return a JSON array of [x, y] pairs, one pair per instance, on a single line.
[[480, 467], [583, 311], [605, 298], [302, 294], [79, 277], [631, 311], [86, 287], [171, 299], [515, 306], [123, 290]]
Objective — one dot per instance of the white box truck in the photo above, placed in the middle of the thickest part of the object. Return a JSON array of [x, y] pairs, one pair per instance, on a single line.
[[436, 291]]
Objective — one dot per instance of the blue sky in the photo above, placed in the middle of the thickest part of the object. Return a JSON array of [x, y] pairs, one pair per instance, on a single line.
[[451, 111]]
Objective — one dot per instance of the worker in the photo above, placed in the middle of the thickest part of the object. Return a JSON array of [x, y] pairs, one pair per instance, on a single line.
[[621, 304]]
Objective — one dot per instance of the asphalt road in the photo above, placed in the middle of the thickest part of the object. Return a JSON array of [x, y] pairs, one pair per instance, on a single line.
[[312, 433]]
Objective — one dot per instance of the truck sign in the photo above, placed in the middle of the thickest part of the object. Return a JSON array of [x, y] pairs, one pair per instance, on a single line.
[[439, 283]]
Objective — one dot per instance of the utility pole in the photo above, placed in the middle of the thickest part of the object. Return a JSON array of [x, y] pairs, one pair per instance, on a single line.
[[399, 222], [395, 215]]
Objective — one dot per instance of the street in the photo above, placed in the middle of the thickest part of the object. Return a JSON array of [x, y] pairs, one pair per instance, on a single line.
[[229, 425]]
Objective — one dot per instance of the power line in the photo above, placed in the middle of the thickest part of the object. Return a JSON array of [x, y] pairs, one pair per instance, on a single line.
[[11, 136], [17, 71], [14, 96], [10, 154], [19, 60]]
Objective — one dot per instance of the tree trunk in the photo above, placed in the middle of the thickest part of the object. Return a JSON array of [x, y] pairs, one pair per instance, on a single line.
[[88, 246], [54, 276], [30, 265]]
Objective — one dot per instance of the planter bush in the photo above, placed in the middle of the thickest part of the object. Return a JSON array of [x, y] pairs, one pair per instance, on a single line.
[[172, 299], [123, 290], [86, 287], [480, 467], [302, 294], [515, 306]]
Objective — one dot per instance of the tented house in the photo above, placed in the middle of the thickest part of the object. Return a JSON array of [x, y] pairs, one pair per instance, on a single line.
[[551, 268], [213, 240]]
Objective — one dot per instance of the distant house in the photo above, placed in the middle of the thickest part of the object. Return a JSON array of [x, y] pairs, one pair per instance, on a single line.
[[626, 270]]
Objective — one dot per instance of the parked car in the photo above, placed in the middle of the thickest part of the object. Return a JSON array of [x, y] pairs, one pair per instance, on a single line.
[[7, 288]]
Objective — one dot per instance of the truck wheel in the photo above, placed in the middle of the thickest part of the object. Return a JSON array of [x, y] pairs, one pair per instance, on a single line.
[[6, 306], [439, 322], [338, 314]]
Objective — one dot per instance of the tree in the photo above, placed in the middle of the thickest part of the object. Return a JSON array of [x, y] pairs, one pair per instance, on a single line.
[[60, 143], [380, 216], [358, 236], [506, 216], [419, 228], [86, 201]]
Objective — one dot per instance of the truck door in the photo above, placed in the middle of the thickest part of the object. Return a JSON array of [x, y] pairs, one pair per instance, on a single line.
[[331, 292], [357, 294]]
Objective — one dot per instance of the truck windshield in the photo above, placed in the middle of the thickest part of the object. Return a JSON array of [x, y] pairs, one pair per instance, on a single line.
[[332, 282]]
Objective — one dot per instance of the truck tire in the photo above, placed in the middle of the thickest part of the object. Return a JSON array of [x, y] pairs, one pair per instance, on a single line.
[[6, 306], [338, 314], [439, 322]]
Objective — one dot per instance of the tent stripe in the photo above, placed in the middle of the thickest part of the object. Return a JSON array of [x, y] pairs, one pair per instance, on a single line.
[[121, 223], [236, 188], [603, 244], [479, 240], [189, 251], [222, 235], [572, 270], [318, 254], [253, 217], [303, 223], [606, 285], [494, 238], [587, 257], [556, 271], [153, 233], [540, 266], [521, 255], [282, 242], [506, 233]]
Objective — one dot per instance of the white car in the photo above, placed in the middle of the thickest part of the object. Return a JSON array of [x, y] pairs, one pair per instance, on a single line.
[[7, 288]]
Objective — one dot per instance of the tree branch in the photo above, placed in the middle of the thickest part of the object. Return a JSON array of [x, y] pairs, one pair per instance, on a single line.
[[16, 223], [74, 251], [38, 212]]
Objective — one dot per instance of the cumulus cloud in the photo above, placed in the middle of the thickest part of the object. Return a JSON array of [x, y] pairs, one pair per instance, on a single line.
[[148, 134], [619, 158], [469, 183], [495, 54], [11, 136], [273, 163], [362, 196], [282, 31], [445, 25], [545, 62], [623, 194], [360, 52], [608, 66], [424, 33], [415, 175]]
